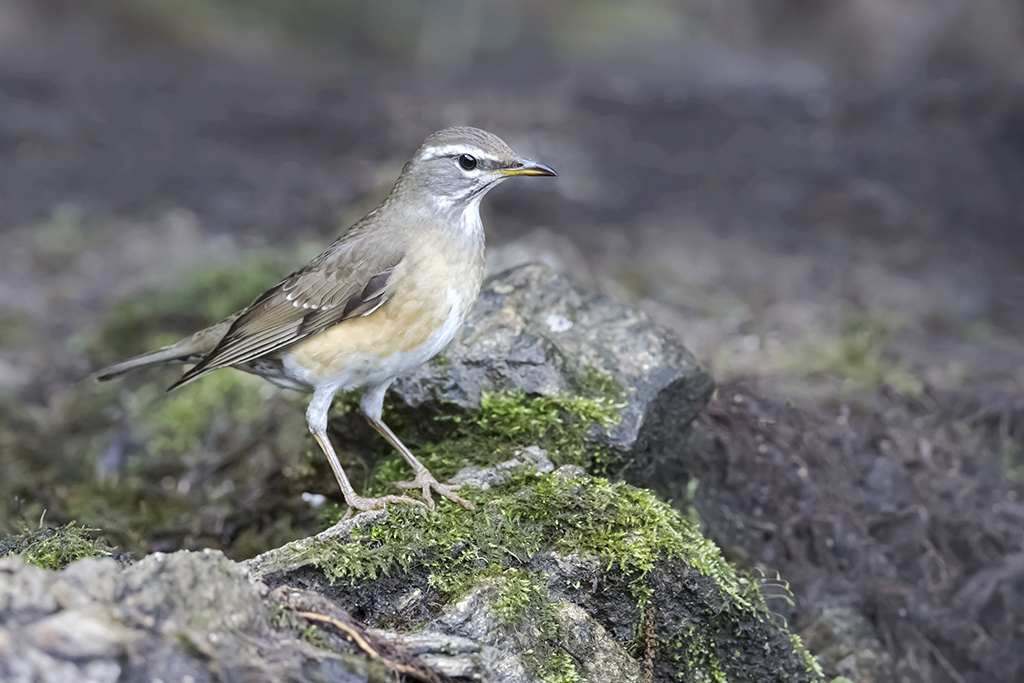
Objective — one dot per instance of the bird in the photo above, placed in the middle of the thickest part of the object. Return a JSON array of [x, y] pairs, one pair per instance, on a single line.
[[385, 297]]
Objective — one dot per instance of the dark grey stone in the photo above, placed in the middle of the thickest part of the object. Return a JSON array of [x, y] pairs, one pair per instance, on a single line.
[[182, 616]]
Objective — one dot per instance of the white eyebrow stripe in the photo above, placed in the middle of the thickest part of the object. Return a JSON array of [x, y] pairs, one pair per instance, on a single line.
[[453, 150]]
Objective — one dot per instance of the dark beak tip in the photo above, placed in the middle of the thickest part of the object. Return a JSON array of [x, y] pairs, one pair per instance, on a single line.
[[543, 170], [529, 167]]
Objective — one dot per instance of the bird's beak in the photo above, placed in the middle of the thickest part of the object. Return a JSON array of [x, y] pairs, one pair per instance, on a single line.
[[527, 167]]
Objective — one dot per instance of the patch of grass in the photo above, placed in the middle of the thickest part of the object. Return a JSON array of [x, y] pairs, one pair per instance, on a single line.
[[55, 548], [856, 355]]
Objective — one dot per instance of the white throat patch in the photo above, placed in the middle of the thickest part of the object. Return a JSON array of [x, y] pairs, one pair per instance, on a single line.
[[469, 222]]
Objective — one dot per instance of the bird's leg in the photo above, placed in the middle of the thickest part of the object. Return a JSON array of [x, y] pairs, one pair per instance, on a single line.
[[316, 416], [372, 404]]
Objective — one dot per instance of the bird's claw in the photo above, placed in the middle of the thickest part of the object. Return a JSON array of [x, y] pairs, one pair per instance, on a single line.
[[425, 482], [363, 504]]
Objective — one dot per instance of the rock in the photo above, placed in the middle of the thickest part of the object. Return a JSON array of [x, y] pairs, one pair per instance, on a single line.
[[452, 655], [484, 478], [78, 634], [533, 330], [540, 613], [596, 656], [553, 576], [183, 616]]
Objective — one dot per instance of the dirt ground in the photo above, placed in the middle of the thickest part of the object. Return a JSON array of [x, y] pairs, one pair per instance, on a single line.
[[849, 261]]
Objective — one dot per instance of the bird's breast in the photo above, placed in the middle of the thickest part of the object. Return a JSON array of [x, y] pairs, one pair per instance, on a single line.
[[429, 295]]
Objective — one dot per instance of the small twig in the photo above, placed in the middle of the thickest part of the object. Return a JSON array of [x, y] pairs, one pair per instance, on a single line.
[[363, 645], [567, 651]]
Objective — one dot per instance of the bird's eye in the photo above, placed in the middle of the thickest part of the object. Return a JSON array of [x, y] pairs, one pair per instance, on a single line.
[[467, 162]]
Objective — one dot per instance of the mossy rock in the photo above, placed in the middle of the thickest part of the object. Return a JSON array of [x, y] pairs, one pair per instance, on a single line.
[[541, 547]]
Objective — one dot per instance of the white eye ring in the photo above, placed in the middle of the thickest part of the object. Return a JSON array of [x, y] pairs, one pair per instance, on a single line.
[[467, 162]]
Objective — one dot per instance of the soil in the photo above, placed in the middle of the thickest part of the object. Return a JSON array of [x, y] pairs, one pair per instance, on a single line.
[[751, 220], [894, 522]]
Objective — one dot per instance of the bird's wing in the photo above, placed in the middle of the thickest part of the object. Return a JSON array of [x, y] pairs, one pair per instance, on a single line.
[[346, 281]]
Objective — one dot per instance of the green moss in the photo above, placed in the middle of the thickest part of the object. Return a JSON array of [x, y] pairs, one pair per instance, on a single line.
[[593, 383], [696, 655], [813, 667], [183, 420], [55, 548], [856, 355], [560, 422], [627, 528], [506, 423], [523, 596], [528, 615]]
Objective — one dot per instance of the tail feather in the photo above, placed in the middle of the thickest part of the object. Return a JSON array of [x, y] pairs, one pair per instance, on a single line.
[[189, 350], [168, 354]]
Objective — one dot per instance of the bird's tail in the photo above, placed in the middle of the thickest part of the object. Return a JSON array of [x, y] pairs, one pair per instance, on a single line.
[[189, 350], [168, 354]]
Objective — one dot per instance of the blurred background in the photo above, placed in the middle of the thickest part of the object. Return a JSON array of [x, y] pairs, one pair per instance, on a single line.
[[822, 198], [773, 180]]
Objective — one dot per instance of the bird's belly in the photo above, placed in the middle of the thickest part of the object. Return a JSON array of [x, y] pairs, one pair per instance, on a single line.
[[376, 348]]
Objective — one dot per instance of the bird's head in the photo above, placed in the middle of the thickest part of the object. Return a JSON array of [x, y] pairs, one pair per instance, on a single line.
[[455, 167]]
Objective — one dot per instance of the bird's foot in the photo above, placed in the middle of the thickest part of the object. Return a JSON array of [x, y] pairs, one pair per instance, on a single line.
[[426, 482], [359, 504]]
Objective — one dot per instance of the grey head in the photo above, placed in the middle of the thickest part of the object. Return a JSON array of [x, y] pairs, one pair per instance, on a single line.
[[455, 167]]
